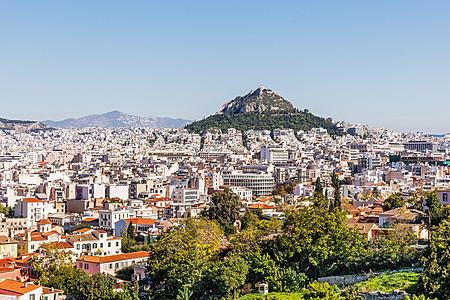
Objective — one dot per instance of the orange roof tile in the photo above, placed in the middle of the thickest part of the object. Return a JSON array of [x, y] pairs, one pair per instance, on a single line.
[[110, 258], [141, 221], [260, 206], [17, 286], [44, 221]]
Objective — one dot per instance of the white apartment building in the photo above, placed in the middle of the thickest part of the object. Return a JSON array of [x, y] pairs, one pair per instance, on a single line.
[[260, 184], [108, 217], [94, 242], [274, 153], [34, 209]]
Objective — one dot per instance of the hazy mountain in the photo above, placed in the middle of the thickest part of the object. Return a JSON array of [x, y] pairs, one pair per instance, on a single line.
[[22, 126], [261, 109], [118, 119]]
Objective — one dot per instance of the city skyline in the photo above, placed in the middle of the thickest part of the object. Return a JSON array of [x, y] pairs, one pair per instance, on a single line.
[[382, 64]]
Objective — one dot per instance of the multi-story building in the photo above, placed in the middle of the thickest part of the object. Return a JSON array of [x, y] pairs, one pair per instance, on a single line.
[[34, 209], [260, 184], [94, 243], [111, 263]]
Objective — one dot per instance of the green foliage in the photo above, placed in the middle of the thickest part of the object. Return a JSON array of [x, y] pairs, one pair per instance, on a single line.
[[287, 188], [435, 278], [337, 192], [129, 293], [390, 250], [435, 209], [224, 208], [130, 231], [125, 273], [295, 119], [394, 201], [66, 278], [318, 242], [389, 282], [321, 291], [183, 255], [97, 287], [230, 274], [50, 263], [8, 211], [320, 200], [421, 297]]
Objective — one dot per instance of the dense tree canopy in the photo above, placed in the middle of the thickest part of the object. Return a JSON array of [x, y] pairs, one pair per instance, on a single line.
[[182, 257], [393, 201], [224, 208], [435, 278], [295, 119]]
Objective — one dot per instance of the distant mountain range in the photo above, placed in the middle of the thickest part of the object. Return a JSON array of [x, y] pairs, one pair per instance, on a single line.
[[22, 126], [261, 109], [118, 119]]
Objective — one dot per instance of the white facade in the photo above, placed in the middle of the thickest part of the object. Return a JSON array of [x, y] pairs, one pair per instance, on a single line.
[[34, 209]]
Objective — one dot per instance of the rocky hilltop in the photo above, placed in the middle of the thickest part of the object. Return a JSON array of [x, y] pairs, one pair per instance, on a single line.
[[261, 109], [259, 100], [118, 119], [22, 126]]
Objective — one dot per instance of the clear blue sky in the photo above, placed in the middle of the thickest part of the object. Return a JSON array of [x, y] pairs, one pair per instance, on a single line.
[[381, 63]]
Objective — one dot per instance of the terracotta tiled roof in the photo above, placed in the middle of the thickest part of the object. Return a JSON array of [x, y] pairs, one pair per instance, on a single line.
[[17, 286], [110, 258], [141, 221], [89, 219], [260, 206], [44, 221], [29, 200]]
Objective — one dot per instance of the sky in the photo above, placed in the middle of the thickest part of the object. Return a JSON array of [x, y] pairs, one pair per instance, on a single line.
[[382, 63]]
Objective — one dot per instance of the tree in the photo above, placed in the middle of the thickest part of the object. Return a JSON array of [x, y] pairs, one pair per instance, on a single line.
[[8, 211], [337, 191], [394, 201], [224, 208], [129, 293], [66, 278], [435, 210], [183, 256], [51, 262], [321, 291], [231, 274], [128, 240], [99, 286], [130, 231], [317, 242], [319, 198], [435, 280]]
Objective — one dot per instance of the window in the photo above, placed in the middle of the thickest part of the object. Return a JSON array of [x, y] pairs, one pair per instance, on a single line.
[[78, 246], [117, 244], [444, 197], [110, 266], [32, 297], [101, 245], [80, 265], [86, 266], [117, 265], [94, 246], [109, 244]]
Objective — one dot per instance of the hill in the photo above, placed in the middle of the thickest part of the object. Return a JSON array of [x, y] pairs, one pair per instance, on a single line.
[[22, 126], [260, 110], [118, 119]]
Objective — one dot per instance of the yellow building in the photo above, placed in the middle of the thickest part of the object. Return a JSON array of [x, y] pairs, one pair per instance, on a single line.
[[8, 246]]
